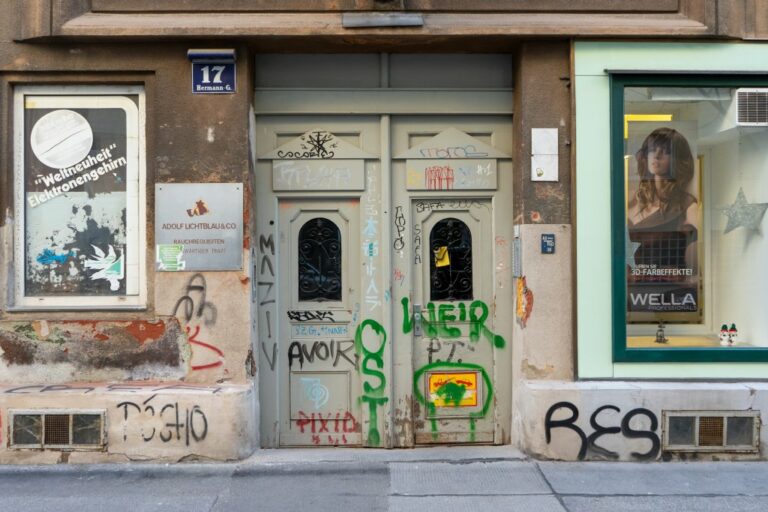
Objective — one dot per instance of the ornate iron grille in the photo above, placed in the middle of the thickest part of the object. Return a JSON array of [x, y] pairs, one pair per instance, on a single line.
[[450, 267], [319, 261]]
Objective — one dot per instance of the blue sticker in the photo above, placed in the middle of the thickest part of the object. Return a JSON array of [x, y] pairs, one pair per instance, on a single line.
[[548, 244]]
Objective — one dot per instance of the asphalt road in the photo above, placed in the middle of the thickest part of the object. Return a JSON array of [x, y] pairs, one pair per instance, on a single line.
[[379, 483]]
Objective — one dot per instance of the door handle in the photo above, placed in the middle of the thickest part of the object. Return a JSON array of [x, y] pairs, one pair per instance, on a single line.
[[416, 320]]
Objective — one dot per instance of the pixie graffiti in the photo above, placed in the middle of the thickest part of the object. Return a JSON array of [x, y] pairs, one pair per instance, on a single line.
[[589, 446], [371, 333], [440, 321], [327, 428]]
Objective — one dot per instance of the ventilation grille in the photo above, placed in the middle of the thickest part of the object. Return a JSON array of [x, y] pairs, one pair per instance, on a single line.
[[57, 429], [752, 107], [711, 431]]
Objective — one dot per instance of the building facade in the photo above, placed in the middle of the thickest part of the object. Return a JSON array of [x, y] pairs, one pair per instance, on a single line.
[[232, 225]]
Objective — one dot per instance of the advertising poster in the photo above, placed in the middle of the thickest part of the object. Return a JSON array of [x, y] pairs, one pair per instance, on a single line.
[[79, 163], [663, 222]]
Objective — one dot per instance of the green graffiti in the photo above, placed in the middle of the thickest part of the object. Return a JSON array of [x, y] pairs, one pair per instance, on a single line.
[[451, 392], [437, 322], [372, 365], [430, 405]]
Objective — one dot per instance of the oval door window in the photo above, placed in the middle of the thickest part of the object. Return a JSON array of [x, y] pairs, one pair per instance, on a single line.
[[450, 267], [319, 261]]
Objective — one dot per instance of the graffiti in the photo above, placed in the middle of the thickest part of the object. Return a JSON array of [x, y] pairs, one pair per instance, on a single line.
[[315, 391], [191, 423], [435, 346], [468, 151], [399, 243], [398, 276], [319, 330], [440, 321], [49, 257], [110, 388], [371, 244], [204, 311], [417, 244], [313, 175], [270, 361], [193, 340], [431, 403], [199, 312], [426, 206], [314, 145], [438, 177], [200, 209], [323, 351], [589, 444], [311, 316], [374, 386], [328, 426], [524, 302]]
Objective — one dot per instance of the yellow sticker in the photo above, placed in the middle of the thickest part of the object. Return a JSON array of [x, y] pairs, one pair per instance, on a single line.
[[453, 389], [441, 257]]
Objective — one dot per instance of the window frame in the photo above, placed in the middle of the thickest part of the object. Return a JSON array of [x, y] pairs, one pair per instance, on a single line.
[[134, 200], [621, 353]]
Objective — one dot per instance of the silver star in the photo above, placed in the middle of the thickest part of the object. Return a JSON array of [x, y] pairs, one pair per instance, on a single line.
[[630, 248], [744, 214]]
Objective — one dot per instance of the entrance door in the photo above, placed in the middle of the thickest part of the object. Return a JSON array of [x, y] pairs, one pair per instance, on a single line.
[[454, 178]]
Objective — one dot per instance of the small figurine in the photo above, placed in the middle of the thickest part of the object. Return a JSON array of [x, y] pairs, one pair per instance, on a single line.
[[724, 337], [732, 333], [660, 337]]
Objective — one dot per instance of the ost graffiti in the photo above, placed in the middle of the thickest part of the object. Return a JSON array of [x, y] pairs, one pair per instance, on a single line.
[[303, 352], [589, 444], [374, 380], [175, 423]]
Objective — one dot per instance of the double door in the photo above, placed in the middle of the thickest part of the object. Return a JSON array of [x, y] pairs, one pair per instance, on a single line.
[[382, 279]]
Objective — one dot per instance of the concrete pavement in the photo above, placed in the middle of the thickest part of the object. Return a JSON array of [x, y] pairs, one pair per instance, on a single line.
[[426, 479]]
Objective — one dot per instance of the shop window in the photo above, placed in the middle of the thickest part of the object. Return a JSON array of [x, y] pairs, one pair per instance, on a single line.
[[690, 193], [450, 267], [79, 198], [319, 261]]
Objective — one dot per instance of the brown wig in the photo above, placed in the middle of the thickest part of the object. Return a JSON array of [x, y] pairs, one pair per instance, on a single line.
[[671, 193]]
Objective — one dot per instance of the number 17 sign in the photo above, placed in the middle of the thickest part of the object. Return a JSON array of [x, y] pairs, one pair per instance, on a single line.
[[213, 78]]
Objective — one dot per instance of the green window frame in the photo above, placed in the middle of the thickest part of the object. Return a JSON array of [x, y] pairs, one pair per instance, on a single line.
[[621, 353]]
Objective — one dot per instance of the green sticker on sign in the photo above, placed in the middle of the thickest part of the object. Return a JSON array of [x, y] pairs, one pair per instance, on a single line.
[[169, 257]]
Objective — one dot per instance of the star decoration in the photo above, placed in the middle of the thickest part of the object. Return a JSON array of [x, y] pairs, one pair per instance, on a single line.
[[630, 248], [744, 214]]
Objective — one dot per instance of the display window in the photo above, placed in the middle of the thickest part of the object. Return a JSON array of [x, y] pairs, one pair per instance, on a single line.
[[689, 181], [79, 199]]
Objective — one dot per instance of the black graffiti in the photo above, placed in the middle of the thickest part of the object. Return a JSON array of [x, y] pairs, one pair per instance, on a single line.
[[416, 243], [589, 443], [323, 351], [270, 361], [435, 346], [266, 264], [314, 145], [311, 316], [399, 243], [195, 303], [422, 206], [192, 426]]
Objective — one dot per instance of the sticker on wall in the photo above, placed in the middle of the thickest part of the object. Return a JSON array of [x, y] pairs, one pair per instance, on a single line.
[[108, 266], [453, 389]]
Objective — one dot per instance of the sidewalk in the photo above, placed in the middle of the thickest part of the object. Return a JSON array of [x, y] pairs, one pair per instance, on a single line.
[[425, 479]]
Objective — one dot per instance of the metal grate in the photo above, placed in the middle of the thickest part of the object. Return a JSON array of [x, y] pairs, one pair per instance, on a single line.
[[752, 106], [57, 429], [711, 431]]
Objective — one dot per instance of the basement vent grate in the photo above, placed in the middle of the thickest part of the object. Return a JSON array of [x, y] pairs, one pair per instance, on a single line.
[[752, 107], [57, 429], [711, 431]]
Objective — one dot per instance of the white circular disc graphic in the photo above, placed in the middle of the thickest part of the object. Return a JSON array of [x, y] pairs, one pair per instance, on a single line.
[[61, 138]]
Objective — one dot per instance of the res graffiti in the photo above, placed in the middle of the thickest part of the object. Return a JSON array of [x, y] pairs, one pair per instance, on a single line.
[[304, 352], [171, 422], [441, 321], [589, 446], [374, 380]]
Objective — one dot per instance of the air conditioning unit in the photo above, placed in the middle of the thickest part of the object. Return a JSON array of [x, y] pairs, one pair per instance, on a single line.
[[752, 106]]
